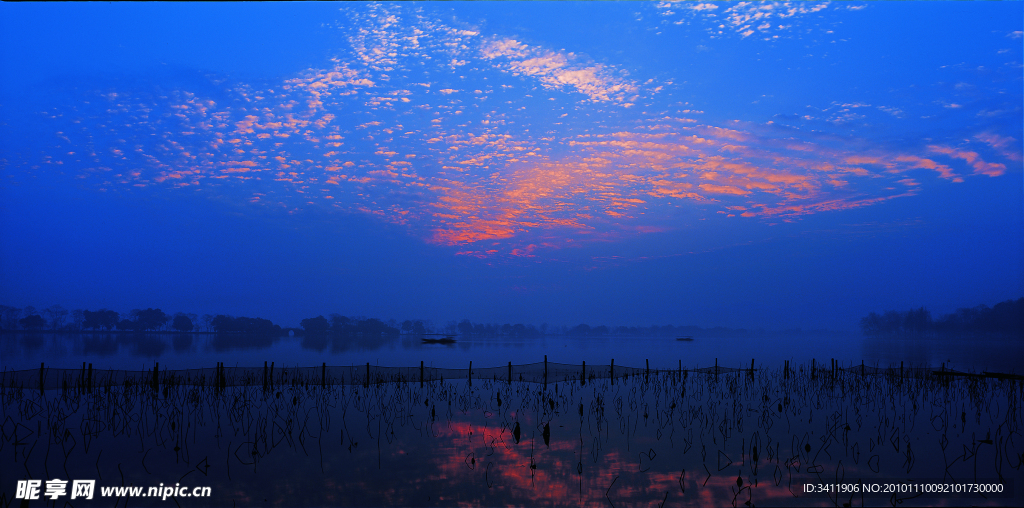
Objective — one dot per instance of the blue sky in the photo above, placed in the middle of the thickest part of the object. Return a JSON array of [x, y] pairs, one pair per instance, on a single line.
[[740, 164]]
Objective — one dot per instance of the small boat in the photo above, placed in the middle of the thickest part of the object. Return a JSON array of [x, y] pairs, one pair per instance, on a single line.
[[447, 340], [686, 339]]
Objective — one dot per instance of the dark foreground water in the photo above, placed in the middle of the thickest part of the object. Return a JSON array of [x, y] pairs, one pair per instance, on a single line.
[[318, 437], [679, 434]]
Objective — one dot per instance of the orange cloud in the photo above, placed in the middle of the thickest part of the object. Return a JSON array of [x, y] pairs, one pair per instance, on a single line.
[[723, 189], [556, 70], [481, 176], [1004, 144], [980, 166]]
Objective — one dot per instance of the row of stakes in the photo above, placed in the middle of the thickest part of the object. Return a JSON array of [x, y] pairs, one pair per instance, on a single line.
[[85, 379]]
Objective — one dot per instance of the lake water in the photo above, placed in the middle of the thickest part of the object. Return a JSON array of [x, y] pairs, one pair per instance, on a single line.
[[174, 351], [669, 438], [687, 438]]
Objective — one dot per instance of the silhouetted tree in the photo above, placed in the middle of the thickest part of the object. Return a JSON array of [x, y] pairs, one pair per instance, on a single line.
[[1005, 317], [58, 315], [917, 321], [224, 324], [33, 322], [149, 319], [317, 324], [3, 322], [892, 321], [182, 323], [257, 325], [871, 324], [465, 327], [376, 328], [207, 321], [102, 318], [580, 329], [1008, 316], [338, 322], [10, 317], [77, 318]]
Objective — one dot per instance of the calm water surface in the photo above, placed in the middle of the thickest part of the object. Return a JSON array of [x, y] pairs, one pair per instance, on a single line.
[[173, 351], [737, 439], [676, 438]]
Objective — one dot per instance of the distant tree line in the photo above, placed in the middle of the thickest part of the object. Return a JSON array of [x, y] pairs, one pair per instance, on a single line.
[[223, 324], [342, 325], [56, 318], [1005, 317]]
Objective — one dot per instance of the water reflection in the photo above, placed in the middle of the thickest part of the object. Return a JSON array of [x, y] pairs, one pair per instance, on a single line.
[[143, 344], [99, 345], [694, 438], [31, 342], [27, 350], [315, 343], [182, 343], [968, 352], [239, 341]]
